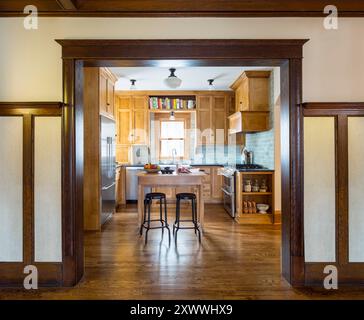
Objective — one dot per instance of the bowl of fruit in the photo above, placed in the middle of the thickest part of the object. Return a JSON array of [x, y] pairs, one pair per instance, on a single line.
[[152, 168]]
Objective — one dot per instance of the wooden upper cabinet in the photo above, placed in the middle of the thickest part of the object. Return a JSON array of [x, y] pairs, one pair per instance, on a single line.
[[124, 126], [107, 92], [125, 102], [204, 120], [252, 91], [132, 120], [212, 113], [103, 93], [140, 103], [110, 97], [252, 99], [204, 102], [140, 126]]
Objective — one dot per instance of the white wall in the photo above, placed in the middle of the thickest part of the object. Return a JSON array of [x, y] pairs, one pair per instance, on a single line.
[[30, 61], [319, 189]]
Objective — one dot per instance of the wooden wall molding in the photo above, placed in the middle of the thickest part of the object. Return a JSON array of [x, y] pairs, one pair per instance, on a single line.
[[334, 105], [11, 273], [186, 8], [349, 273]]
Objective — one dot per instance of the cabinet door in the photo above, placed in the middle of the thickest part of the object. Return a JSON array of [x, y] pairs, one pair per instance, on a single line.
[[103, 93], [219, 119], [140, 103], [206, 191], [204, 103], [259, 94], [205, 127], [118, 187], [124, 126], [124, 102], [216, 184], [122, 153], [231, 104], [140, 127], [110, 97], [204, 120]]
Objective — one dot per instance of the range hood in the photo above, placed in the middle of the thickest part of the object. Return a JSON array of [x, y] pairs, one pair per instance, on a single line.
[[249, 121]]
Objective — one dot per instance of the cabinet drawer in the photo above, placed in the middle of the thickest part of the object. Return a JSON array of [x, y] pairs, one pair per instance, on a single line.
[[206, 191], [207, 177]]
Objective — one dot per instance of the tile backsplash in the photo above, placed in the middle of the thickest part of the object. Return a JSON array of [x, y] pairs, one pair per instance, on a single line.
[[222, 154], [262, 145]]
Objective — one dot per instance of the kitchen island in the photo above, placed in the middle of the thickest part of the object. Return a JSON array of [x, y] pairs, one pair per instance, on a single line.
[[170, 181]]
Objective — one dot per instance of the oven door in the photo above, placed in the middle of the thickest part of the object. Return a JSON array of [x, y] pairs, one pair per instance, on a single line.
[[228, 183], [229, 201]]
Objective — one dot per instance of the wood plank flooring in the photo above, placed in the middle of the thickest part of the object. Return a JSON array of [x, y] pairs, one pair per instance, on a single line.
[[233, 262]]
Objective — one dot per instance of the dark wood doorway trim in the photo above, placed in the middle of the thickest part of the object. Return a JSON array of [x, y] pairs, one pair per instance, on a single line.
[[287, 54]]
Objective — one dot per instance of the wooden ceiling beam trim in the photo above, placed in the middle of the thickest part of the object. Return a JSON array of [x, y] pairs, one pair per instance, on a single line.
[[67, 4], [182, 8]]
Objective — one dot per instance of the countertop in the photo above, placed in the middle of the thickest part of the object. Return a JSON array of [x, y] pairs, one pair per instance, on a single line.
[[166, 165], [255, 170]]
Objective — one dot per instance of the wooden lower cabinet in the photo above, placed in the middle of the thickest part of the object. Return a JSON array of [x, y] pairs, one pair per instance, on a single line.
[[120, 187], [212, 184]]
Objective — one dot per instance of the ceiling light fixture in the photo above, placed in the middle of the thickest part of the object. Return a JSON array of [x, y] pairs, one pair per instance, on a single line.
[[173, 81], [171, 116], [211, 84], [133, 86]]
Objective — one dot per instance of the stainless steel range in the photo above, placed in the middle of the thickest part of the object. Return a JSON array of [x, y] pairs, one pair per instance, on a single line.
[[228, 189], [229, 184]]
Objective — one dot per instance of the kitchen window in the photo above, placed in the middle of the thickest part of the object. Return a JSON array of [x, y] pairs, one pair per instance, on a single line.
[[172, 139]]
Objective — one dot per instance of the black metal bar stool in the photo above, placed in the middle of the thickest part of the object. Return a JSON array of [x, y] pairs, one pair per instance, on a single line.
[[196, 225], [149, 197]]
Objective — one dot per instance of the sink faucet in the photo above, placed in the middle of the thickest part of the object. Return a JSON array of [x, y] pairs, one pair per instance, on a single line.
[[149, 155], [174, 154]]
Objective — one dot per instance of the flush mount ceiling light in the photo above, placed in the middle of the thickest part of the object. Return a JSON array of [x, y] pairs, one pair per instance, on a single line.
[[211, 84], [171, 116], [173, 81], [132, 85]]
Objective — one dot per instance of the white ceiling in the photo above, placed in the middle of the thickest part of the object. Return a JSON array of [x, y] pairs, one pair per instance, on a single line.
[[193, 78]]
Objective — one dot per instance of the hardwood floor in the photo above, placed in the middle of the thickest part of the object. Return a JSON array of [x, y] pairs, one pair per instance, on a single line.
[[233, 262]]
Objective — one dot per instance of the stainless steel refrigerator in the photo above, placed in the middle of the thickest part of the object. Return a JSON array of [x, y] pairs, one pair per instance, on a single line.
[[108, 168]]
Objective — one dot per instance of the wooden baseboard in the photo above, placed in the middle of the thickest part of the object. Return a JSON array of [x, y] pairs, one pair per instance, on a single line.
[[254, 218], [277, 217]]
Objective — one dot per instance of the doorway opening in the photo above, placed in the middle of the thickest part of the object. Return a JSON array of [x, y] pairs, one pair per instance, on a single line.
[[286, 54]]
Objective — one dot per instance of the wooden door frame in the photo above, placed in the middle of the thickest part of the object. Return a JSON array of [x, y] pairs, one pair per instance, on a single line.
[[287, 54]]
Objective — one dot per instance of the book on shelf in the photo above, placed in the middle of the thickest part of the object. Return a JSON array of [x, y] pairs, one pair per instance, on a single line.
[[160, 103]]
